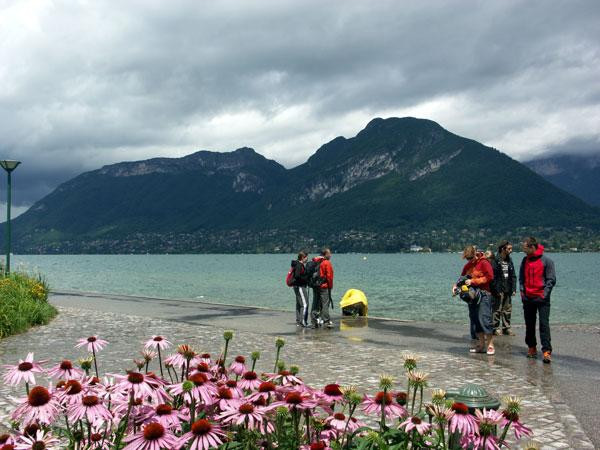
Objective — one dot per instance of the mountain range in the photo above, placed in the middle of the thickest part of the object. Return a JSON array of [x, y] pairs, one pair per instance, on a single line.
[[577, 174], [399, 181]]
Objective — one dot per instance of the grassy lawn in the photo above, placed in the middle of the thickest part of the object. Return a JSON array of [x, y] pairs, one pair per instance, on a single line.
[[23, 303]]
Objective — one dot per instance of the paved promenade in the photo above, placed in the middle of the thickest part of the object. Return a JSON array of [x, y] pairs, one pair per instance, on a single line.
[[356, 352]]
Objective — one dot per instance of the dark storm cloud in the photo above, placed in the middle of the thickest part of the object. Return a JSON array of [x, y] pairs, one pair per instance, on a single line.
[[82, 85]]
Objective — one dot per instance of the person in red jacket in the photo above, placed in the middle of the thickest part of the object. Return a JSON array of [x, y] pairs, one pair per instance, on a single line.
[[322, 293], [537, 277], [480, 313]]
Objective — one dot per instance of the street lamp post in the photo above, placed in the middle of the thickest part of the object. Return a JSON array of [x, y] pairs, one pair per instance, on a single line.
[[9, 166]]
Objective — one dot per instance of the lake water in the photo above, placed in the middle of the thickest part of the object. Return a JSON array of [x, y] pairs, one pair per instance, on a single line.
[[405, 286]]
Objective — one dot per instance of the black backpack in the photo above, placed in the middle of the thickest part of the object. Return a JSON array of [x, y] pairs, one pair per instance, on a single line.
[[313, 274]]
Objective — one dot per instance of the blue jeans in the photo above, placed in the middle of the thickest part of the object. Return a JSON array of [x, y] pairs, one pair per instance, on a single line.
[[480, 315]]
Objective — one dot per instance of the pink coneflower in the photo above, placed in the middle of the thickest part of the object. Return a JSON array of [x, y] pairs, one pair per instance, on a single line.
[[98, 439], [332, 393], [285, 378], [249, 381], [205, 358], [295, 400], [157, 342], [415, 423], [185, 357], [167, 416], [225, 398], [321, 445], [201, 389], [71, 392], [6, 439], [238, 366], [90, 408], [462, 421], [337, 421], [140, 384], [138, 411], [244, 414], [328, 433], [39, 406], [152, 437], [233, 385], [485, 438], [65, 371], [514, 421], [93, 343], [203, 436], [202, 368], [23, 371], [265, 391], [40, 441], [372, 405]]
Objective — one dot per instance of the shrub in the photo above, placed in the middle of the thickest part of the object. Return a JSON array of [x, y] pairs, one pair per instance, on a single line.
[[23, 303]]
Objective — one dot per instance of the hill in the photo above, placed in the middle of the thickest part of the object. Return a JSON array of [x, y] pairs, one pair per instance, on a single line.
[[577, 174], [400, 181]]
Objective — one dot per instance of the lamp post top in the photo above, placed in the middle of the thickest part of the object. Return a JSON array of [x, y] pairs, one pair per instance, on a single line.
[[9, 165]]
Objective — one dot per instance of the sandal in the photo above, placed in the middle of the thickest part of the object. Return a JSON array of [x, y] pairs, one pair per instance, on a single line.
[[476, 350], [491, 350]]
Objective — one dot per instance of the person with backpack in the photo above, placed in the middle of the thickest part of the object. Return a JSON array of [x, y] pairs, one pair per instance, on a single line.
[[320, 278], [478, 275], [297, 278], [504, 287], [537, 278]]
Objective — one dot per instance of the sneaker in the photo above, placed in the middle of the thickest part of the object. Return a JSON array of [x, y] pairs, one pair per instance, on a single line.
[[497, 332], [532, 352], [547, 357], [508, 332], [314, 325], [329, 324]]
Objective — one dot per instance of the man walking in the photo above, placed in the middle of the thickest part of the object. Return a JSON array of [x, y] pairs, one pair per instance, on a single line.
[[322, 293], [536, 280], [505, 286]]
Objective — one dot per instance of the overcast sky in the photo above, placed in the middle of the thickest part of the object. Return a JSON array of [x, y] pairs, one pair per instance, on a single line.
[[86, 83]]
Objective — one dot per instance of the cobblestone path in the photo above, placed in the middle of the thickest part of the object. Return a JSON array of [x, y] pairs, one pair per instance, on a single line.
[[321, 361]]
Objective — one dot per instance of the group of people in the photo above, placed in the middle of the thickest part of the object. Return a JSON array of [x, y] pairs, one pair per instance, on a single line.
[[490, 283], [316, 274]]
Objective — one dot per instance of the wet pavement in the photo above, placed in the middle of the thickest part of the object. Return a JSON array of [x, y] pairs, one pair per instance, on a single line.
[[560, 400]]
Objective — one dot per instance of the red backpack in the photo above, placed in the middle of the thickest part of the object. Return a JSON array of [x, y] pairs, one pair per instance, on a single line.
[[289, 279]]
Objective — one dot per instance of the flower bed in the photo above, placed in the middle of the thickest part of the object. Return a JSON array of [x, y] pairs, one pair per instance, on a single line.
[[194, 401], [23, 303]]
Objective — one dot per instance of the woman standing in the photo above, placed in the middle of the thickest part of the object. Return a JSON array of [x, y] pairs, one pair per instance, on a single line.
[[300, 289], [481, 275]]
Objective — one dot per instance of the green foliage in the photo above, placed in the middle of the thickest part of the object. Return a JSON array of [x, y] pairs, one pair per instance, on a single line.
[[23, 303]]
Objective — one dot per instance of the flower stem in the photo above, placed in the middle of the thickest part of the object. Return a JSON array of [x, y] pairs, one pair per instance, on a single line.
[[420, 398], [27, 388], [225, 352], [95, 363], [443, 437], [504, 432], [307, 417], [382, 423], [160, 363], [412, 407], [192, 411], [276, 360]]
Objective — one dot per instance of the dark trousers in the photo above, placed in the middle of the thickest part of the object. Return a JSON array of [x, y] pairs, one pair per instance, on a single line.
[[502, 311], [532, 307], [320, 305]]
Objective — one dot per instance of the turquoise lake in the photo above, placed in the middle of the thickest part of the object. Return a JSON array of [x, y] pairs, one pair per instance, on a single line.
[[405, 286]]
